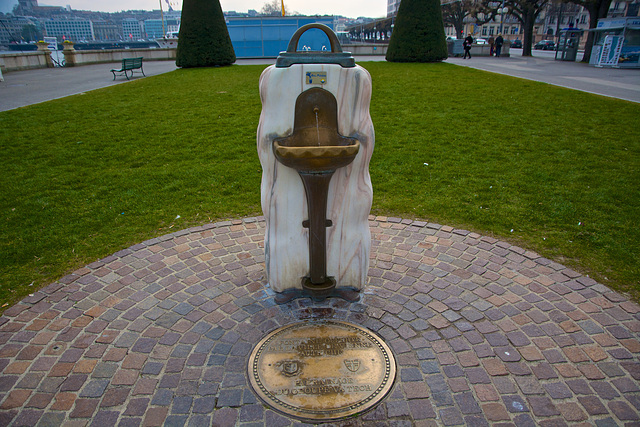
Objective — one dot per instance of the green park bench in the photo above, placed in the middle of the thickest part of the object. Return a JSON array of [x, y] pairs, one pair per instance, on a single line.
[[129, 64]]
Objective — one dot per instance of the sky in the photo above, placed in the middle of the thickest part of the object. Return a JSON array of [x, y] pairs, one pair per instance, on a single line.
[[348, 8]]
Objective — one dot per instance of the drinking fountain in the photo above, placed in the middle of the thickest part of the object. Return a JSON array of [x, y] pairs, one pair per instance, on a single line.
[[315, 140]]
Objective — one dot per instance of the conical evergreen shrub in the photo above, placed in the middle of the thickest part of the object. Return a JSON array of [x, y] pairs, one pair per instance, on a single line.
[[204, 39], [418, 33]]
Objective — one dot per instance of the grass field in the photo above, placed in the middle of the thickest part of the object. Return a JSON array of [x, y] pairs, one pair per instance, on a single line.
[[552, 170]]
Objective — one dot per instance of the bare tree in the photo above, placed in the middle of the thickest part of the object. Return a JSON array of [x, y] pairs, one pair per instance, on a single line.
[[597, 9], [274, 8], [455, 12], [526, 12]]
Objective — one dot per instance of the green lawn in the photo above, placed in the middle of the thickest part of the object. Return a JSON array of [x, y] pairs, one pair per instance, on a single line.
[[550, 169]]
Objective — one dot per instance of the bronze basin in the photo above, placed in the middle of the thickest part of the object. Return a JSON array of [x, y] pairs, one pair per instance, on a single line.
[[315, 144], [316, 159]]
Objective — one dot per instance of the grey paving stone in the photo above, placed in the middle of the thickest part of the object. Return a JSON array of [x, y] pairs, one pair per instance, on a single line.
[[397, 408], [51, 419], [181, 404], [162, 397], [176, 420], [232, 397], [183, 308], [251, 413], [442, 398], [515, 404], [450, 416], [28, 417], [105, 419], [152, 368], [94, 388], [467, 403]]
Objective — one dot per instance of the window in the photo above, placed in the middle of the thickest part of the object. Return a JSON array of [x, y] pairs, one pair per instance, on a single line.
[[484, 31], [583, 19], [491, 29]]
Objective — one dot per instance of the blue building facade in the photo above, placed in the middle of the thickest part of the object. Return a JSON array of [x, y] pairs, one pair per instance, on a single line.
[[153, 27], [268, 36]]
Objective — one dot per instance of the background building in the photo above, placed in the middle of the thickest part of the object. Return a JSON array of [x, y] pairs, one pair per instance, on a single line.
[[392, 7], [69, 29], [107, 30], [153, 28], [18, 28], [132, 29]]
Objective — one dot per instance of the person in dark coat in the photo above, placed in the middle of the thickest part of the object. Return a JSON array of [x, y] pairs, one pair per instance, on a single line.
[[499, 43], [468, 41]]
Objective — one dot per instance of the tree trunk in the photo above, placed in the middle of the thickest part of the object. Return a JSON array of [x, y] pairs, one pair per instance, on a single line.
[[593, 22], [529, 22], [597, 11], [459, 26]]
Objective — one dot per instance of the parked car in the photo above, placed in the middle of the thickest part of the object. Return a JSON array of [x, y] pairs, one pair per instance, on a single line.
[[517, 44], [545, 45], [481, 41]]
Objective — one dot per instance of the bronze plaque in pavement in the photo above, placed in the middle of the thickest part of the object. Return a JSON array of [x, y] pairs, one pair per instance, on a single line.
[[322, 370]]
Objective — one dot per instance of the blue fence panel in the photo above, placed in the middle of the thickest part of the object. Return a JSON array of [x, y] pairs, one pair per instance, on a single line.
[[267, 37]]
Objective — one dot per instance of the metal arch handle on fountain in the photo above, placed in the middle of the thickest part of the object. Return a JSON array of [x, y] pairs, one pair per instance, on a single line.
[[336, 47], [336, 56]]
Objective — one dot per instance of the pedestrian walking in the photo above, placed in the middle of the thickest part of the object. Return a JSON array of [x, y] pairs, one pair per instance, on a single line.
[[491, 43], [499, 43], [468, 41]]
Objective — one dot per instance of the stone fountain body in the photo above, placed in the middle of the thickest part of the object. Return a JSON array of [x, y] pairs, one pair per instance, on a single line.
[[315, 140]]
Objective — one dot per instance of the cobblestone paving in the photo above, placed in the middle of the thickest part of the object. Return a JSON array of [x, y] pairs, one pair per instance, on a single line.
[[484, 333]]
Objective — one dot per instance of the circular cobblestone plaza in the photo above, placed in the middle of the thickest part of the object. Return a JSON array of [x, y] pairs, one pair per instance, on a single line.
[[484, 333]]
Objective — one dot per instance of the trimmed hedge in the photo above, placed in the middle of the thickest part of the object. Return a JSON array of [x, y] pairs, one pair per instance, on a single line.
[[418, 34], [204, 39]]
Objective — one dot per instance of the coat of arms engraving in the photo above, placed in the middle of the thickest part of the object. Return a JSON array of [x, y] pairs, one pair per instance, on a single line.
[[290, 368], [352, 364]]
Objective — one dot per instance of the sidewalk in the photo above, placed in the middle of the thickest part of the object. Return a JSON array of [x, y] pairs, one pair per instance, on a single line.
[[483, 333], [612, 82], [22, 88]]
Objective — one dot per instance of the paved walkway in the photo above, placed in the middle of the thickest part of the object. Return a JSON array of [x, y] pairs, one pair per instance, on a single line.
[[542, 67], [483, 332], [22, 88]]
